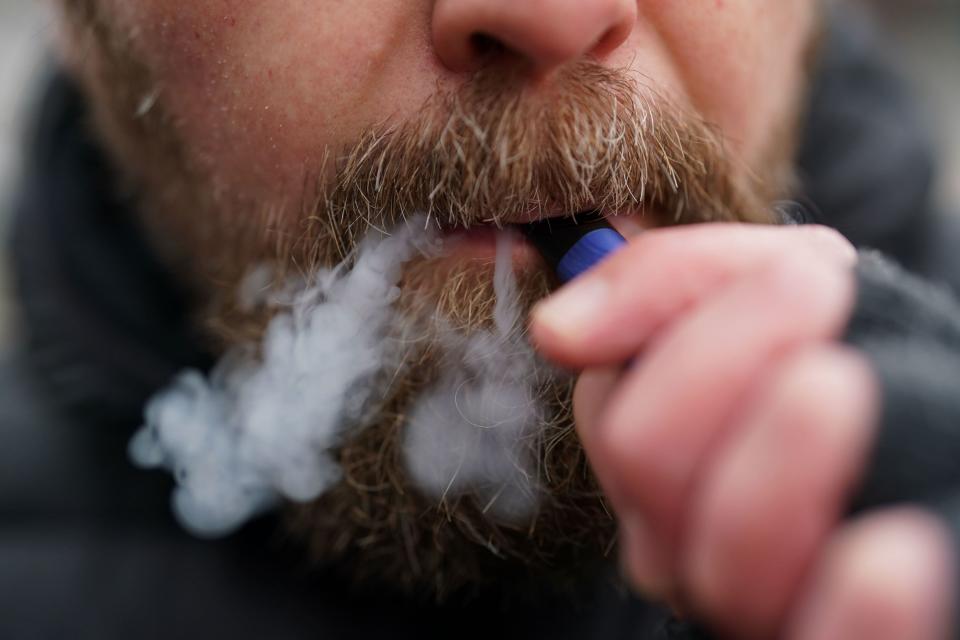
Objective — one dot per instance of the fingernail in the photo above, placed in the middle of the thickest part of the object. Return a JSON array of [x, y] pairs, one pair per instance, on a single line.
[[641, 559], [573, 309]]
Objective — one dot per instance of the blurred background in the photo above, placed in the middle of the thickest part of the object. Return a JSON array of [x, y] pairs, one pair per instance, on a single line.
[[25, 33], [925, 41], [924, 38]]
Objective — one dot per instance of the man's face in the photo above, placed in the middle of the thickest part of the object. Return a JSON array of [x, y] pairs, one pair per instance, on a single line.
[[257, 129], [262, 92]]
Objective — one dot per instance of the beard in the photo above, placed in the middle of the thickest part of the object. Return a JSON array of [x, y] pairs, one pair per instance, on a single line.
[[488, 153]]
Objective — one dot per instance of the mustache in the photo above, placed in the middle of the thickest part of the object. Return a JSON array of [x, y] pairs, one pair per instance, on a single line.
[[496, 151]]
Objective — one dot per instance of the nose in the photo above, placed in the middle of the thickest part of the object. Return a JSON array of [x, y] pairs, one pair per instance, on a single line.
[[545, 33]]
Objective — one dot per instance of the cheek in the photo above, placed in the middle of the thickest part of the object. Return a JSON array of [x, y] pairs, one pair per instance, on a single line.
[[261, 89], [741, 62]]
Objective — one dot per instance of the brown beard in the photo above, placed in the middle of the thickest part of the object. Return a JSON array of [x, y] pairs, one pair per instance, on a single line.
[[487, 152]]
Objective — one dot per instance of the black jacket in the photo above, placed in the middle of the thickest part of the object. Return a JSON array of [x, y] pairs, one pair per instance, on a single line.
[[87, 546]]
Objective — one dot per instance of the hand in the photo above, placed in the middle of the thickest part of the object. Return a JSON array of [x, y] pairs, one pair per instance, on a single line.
[[730, 446]]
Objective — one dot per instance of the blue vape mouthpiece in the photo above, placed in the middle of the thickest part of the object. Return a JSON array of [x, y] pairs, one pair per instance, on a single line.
[[573, 246]]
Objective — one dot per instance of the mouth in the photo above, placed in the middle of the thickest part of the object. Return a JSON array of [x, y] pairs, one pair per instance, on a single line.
[[479, 241]]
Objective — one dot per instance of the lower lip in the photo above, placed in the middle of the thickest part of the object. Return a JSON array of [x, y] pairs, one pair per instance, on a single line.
[[480, 243]]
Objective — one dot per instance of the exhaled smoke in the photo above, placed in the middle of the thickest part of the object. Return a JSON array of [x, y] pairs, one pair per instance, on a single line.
[[466, 434], [270, 422], [265, 426]]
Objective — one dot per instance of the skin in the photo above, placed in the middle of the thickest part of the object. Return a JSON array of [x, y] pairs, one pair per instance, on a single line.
[[262, 89], [729, 460], [704, 445]]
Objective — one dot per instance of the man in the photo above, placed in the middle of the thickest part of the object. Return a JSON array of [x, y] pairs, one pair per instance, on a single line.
[[776, 460]]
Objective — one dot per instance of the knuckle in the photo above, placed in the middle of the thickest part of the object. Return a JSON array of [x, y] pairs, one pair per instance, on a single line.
[[823, 387]]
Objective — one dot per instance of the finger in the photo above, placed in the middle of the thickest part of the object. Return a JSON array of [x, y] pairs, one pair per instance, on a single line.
[[780, 485], [592, 392], [885, 577], [606, 315], [590, 396], [675, 405]]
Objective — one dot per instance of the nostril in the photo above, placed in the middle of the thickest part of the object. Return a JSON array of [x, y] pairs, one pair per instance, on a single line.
[[484, 47], [544, 34]]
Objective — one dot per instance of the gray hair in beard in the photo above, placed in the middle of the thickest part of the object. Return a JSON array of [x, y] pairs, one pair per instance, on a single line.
[[495, 150], [491, 152]]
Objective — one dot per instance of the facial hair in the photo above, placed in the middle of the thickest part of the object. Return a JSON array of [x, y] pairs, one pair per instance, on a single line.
[[488, 152]]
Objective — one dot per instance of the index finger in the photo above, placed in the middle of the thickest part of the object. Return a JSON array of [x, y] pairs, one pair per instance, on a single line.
[[605, 316]]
